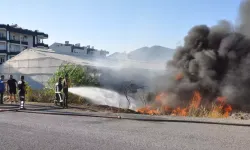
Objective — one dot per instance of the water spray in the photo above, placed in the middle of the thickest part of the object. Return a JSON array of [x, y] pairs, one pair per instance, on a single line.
[[103, 96]]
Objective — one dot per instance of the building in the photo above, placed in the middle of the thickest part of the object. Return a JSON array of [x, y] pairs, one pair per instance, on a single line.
[[77, 48], [14, 39]]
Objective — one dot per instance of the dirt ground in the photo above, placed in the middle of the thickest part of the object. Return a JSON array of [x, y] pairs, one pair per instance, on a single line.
[[240, 115]]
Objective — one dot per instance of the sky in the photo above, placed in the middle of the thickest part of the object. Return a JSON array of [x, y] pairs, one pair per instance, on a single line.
[[117, 25]]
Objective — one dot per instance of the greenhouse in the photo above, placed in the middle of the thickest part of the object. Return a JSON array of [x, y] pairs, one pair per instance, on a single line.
[[39, 65]]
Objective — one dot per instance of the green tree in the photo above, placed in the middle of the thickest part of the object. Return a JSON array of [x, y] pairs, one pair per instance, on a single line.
[[78, 75]]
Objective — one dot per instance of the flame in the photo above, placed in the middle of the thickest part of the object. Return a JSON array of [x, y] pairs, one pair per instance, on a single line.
[[148, 110], [167, 108], [159, 97], [227, 110], [196, 100], [194, 103], [221, 109], [224, 108], [180, 112], [221, 100], [179, 76]]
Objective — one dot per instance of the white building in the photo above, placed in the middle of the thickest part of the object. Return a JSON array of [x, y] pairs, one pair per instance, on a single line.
[[77, 48], [14, 39]]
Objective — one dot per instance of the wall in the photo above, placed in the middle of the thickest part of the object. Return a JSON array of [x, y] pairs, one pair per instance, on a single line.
[[41, 47], [17, 36], [23, 47], [23, 37], [2, 45], [30, 41], [14, 47], [2, 58], [76, 50], [60, 48], [96, 53], [40, 39], [3, 32]]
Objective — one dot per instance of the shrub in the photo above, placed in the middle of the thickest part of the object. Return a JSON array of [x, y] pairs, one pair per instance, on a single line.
[[78, 75], [29, 94], [45, 95]]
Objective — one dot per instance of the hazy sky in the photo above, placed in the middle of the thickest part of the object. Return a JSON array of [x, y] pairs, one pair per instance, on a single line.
[[116, 25]]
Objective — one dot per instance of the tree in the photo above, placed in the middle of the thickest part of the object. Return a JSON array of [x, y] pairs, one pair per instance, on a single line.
[[78, 75]]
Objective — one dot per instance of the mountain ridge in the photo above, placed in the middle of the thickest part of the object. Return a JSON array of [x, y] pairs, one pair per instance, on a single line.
[[154, 53]]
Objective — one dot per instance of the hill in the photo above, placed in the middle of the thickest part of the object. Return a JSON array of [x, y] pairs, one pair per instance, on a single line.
[[152, 54]]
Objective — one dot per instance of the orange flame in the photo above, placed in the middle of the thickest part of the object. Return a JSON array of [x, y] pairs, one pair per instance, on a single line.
[[180, 112], [196, 100], [220, 108], [160, 97], [221, 99], [227, 110], [179, 76], [148, 110], [167, 108]]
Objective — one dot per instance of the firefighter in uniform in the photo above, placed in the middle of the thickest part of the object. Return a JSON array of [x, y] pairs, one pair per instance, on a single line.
[[66, 85], [58, 89], [21, 92]]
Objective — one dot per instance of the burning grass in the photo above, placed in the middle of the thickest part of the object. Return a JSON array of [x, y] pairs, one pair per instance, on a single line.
[[219, 109]]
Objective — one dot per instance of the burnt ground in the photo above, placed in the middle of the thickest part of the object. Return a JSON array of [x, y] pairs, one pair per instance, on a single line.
[[236, 114]]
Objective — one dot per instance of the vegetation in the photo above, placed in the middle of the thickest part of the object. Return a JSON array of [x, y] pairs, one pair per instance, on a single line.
[[214, 112], [78, 75], [48, 96]]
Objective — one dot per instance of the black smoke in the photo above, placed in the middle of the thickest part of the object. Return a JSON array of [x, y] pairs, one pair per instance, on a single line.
[[215, 60]]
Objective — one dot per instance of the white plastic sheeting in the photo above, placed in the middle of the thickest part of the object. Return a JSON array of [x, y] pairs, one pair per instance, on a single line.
[[36, 67]]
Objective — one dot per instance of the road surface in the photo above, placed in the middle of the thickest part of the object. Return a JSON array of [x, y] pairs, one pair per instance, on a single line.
[[24, 131]]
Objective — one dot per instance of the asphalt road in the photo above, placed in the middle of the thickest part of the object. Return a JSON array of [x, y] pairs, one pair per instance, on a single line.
[[23, 131]]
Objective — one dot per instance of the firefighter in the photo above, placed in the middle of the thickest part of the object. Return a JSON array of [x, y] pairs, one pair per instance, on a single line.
[[58, 91], [22, 92], [66, 84]]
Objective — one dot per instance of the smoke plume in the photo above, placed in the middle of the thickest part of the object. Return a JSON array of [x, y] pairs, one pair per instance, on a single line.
[[215, 60]]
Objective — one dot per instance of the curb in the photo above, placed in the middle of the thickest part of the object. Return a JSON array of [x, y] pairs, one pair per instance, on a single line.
[[3, 110], [141, 118]]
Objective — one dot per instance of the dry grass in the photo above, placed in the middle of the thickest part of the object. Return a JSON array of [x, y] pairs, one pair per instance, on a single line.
[[48, 96], [214, 112], [198, 112]]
